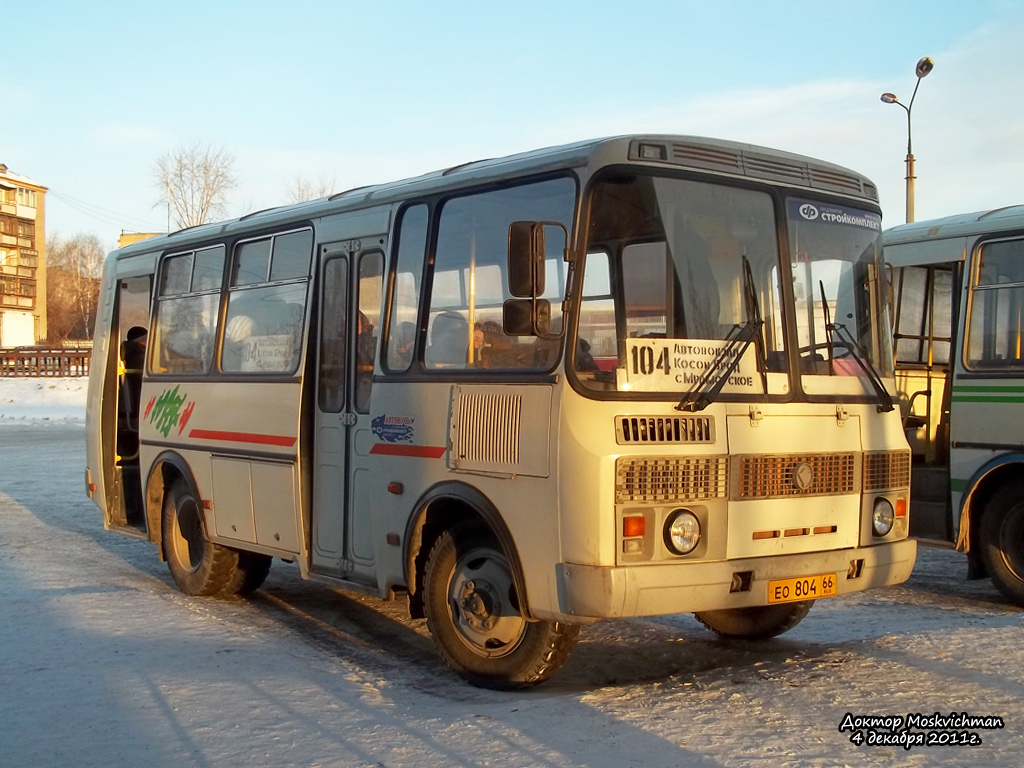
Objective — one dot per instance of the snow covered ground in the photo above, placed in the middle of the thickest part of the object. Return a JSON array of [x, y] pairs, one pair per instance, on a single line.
[[42, 400], [104, 663]]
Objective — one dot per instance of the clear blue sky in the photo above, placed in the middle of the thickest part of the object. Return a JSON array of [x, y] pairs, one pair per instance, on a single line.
[[365, 92]]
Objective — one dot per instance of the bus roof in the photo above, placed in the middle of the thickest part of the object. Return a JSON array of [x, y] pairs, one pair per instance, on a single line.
[[713, 155], [958, 225]]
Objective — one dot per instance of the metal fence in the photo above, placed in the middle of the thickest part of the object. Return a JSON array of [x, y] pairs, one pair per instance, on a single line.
[[44, 361]]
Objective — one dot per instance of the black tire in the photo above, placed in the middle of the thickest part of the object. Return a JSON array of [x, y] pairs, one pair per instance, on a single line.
[[758, 623], [474, 617], [1002, 541], [253, 570], [198, 566]]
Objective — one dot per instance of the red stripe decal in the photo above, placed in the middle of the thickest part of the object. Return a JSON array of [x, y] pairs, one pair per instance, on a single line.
[[418, 451], [282, 441]]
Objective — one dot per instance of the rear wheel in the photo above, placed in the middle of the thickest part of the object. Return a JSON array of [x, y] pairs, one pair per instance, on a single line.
[[198, 566], [1002, 541], [475, 620], [758, 623]]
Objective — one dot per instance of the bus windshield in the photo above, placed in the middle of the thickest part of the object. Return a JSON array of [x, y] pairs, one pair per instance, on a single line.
[[682, 291]]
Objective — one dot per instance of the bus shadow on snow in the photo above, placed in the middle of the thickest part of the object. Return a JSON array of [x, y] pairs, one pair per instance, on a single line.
[[379, 637]]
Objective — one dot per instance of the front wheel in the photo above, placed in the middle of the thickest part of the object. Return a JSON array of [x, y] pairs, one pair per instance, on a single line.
[[198, 566], [758, 623], [475, 620], [1002, 541]]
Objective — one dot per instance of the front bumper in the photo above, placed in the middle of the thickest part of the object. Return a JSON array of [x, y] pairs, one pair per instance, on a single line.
[[599, 592]]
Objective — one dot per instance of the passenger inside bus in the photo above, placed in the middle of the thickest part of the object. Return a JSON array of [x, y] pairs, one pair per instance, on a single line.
[[366, 346], [403, 344], [133, 355]]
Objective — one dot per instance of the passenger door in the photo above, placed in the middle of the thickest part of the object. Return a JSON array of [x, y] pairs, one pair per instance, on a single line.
[[351, 279]]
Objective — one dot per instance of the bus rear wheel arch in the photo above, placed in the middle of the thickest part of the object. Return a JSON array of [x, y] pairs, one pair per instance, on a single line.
[[198, 566], [1002, 540], [474, 616]]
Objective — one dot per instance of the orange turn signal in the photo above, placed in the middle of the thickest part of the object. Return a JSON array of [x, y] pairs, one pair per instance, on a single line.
[[632, 526], [901, 507]]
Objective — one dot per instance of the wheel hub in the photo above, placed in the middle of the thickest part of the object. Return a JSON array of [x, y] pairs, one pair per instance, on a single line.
[[478, 603], [483, 605]]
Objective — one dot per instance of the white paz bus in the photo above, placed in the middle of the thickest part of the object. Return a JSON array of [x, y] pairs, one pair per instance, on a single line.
[[629, 377], [958, 288]]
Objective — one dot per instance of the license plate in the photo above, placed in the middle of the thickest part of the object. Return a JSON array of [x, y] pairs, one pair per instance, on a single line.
[[803, 588]]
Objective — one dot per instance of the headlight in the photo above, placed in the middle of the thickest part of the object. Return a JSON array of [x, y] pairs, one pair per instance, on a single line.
[[682, 532], [882, 517]]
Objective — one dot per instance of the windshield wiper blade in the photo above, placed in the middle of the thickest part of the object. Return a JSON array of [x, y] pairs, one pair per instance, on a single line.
[[745, 334], [858, 354], [740, 334], [753, 309]]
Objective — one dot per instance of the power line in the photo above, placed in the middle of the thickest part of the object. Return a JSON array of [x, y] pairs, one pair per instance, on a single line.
[[104, 215]]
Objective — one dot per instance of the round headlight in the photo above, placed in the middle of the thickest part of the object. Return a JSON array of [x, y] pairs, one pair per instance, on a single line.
[[882, 517], [682, 532]]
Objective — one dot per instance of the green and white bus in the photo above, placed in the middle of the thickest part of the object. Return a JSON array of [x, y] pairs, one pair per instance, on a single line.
[[636, 376], [958, 286]]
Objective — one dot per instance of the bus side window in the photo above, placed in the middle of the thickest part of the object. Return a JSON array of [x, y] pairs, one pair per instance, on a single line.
[[400, 345], [995, 336], [186, 314], [263, 325], [333, 335], [370, 285], [469, 280]]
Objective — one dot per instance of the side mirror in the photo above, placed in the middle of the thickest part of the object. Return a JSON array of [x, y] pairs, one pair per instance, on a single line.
[[518, 317], [526, 259]]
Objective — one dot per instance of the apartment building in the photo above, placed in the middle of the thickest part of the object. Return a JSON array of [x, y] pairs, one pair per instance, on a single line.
[[22, 260]]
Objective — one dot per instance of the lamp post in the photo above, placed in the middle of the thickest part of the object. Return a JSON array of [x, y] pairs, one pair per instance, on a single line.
[[924, 66]]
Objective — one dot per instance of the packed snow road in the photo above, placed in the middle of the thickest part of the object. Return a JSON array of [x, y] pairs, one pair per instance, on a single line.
[[105, 663]]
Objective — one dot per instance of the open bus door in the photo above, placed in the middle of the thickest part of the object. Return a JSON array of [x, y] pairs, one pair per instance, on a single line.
[[122, 398], [926, 323]]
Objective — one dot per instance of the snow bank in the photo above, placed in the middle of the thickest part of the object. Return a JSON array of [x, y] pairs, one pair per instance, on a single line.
[[42, 400]]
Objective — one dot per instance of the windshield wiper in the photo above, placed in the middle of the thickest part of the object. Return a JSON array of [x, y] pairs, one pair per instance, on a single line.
[[858, 354], [739, 335], [753, 309], [745, 334]]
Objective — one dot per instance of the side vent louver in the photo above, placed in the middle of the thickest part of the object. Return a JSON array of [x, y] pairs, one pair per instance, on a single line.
[[488, 428]]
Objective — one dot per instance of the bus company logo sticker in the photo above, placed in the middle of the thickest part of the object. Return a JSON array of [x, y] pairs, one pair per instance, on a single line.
[[393, 429], [808, 211], [835, 215], [168, 410]]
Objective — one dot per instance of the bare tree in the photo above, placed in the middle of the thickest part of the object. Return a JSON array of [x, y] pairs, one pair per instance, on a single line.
[[193, 181], [303, 189], [73, 268]]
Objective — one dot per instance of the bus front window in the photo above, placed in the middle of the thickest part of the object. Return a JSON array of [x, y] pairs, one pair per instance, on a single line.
[[679, 289], [839, 286]]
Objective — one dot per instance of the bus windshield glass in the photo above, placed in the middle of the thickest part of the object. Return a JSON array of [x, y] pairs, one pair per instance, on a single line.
[[840, 294], [682, 291], [676, 271]]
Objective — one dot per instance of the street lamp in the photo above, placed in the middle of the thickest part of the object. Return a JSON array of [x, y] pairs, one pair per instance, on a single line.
[[924, 66]]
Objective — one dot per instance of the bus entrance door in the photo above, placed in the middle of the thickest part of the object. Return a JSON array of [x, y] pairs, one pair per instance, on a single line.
[[350, 292]]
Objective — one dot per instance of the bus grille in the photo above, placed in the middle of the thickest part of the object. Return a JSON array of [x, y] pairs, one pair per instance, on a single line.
[[886, 469], [661, 480], [767, 477], [664, 429]]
